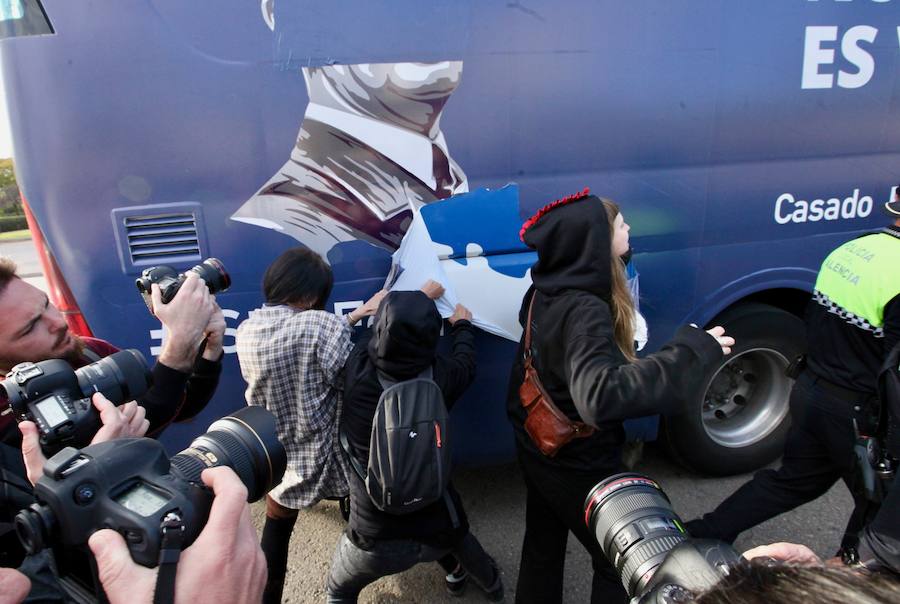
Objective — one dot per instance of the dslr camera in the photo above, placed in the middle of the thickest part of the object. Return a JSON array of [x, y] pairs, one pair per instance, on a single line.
[[211, 270], [645, 541], [57, 398], [131, 486]]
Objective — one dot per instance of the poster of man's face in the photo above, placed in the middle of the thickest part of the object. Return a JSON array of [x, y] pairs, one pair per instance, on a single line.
[[370, 150]]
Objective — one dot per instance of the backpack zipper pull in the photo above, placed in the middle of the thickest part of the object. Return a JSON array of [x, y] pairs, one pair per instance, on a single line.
[[437, 434]]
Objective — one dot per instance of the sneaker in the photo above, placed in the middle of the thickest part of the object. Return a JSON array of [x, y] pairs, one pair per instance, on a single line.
[[456, 582], [495, 593]]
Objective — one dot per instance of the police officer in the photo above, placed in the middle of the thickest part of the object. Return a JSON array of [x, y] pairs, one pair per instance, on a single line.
[[852, 323]]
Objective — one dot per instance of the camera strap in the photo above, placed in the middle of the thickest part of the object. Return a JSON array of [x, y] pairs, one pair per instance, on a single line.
[[172, 530]]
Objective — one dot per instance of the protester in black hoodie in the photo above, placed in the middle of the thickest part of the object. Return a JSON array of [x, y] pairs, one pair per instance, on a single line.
[[402, 344], [582, 328]]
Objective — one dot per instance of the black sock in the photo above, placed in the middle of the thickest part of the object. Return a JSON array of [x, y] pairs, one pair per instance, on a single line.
[[276, 538], [449, 563]]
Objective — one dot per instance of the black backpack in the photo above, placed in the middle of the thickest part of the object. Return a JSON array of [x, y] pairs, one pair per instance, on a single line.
[[409, 453]]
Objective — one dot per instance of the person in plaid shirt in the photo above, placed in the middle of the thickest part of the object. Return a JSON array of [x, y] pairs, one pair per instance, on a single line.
[[292, 355]]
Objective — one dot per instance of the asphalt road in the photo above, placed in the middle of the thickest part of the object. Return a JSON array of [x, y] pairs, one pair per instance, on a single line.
[[494, 499], [495, 502]]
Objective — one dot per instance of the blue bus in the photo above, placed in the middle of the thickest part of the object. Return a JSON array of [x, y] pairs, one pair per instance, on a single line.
[[743, 141]]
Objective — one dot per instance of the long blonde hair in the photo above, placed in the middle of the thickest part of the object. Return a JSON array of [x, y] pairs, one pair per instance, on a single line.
[[621, 303]]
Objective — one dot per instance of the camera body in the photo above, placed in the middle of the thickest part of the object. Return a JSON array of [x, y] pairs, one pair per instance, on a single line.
[[688, 568], [57, 398], [645, 541], [123, 484], [211, 270], [131, 486]]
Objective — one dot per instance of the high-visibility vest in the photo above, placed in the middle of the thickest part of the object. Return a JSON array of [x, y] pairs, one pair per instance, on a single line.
[[859, 278]]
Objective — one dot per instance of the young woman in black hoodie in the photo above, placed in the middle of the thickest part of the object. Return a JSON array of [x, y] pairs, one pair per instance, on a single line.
[[583, 351]]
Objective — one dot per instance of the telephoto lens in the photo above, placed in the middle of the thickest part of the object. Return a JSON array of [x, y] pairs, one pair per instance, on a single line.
[[213, 272], [246, 442], [120, 377], [635, 525]]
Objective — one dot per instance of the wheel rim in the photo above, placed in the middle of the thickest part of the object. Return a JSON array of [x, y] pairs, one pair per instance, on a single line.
[[747, 398]]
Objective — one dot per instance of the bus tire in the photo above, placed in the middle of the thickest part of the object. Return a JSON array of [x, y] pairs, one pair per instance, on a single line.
[[740, 420]]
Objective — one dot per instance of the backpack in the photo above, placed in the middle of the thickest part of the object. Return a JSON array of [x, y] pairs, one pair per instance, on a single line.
[[409, 455]]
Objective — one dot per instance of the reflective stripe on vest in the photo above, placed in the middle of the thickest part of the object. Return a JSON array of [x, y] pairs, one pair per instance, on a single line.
[[859, 278]]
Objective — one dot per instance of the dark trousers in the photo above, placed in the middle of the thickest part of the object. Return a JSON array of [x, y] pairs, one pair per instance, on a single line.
[[818, 452], [554, 506], [353, 568]]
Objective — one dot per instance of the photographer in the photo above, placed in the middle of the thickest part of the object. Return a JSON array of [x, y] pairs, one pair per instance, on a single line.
[[184, 379], [579, 338], [224, 564]]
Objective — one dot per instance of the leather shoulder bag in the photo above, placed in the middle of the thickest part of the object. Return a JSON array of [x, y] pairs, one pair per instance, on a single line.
[[547, 426]]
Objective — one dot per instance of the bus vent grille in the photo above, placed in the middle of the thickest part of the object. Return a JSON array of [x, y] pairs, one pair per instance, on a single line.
[[171, 238]]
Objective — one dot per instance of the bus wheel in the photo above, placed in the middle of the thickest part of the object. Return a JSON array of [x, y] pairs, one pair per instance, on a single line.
[[740, 421]]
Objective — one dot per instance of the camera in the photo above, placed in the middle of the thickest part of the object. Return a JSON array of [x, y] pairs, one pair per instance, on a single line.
[[57, 398], [645, 541], [211, 270], [130, 485]]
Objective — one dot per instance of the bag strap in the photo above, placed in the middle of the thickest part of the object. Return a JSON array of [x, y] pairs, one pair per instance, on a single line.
[[527, 343], [354, 463], [581, 429]]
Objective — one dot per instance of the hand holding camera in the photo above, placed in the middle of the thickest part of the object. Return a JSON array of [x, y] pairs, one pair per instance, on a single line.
[[185, 305], [214, 334], [793, 553], [57, 399], [203, 572], [118, 422], [169, 281], [132, 486]]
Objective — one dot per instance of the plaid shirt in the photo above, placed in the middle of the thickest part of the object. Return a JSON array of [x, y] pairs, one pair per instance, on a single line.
[[293, 363]]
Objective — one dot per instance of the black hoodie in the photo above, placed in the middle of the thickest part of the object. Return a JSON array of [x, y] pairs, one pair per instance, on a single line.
[[574, 347], [402, 343]]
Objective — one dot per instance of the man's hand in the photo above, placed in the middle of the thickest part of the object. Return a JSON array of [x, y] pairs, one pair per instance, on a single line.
[[726, 342], [186, 319], [215, 334], [785, 552], [14, 586], [432, 289], [224, 564], [118, 422], [460, 313], [368, 309]]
